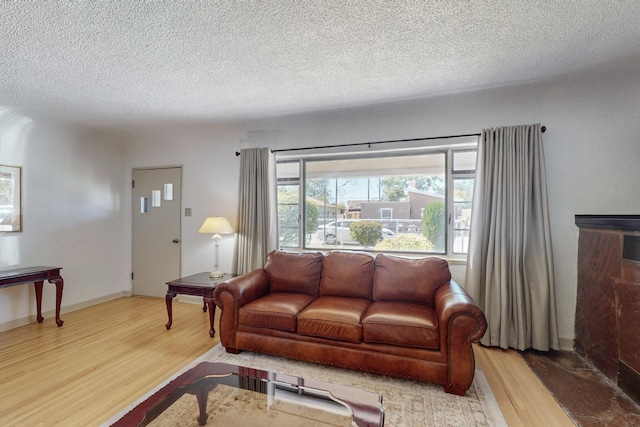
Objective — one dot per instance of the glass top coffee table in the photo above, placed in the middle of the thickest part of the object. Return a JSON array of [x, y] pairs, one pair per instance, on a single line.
[[228, 395]]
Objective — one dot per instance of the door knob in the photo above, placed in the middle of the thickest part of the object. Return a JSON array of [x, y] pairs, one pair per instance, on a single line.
[[176, 241]]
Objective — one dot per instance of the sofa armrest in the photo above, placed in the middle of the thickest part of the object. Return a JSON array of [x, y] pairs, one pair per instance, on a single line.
[[243, 289], [461, 323], [452, 301], [233, 294]]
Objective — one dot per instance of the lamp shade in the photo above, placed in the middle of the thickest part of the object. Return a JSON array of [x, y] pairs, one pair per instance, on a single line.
[[216, 225]]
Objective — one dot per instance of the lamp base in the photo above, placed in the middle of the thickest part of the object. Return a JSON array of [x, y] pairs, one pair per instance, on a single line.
[[216, 275]]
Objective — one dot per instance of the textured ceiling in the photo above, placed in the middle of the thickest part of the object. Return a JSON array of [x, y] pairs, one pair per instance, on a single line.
[[119, 62]]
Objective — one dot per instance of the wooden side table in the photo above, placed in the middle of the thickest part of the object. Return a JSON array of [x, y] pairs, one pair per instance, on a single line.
[[37, 276], [200, 285]]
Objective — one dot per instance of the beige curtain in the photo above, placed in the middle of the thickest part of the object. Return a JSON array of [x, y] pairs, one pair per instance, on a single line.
[[257, 210], [510, 261]]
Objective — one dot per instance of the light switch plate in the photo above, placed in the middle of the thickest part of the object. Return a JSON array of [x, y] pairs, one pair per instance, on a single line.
[[187, 211]]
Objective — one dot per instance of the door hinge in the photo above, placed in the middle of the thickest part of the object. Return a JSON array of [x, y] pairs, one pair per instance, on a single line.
[[132, 275], [133, 183]]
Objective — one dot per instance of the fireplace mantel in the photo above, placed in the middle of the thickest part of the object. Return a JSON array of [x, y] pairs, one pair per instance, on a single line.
[[609, 222]]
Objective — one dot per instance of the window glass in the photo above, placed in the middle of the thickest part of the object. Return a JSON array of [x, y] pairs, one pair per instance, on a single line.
[[406, 201], [288, 170], [155, 198], [168, 191], [464, 161], [462, 198], [144, 205], [377, 202], [289, 215]]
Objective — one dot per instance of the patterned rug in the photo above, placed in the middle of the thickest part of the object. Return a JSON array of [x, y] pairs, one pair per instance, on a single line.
[[406, 403]]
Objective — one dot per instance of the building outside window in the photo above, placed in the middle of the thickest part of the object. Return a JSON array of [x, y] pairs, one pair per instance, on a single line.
[[407, 201], [386, 213]]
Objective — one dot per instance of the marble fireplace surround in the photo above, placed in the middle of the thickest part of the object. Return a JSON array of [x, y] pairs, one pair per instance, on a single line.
[[607, 323]]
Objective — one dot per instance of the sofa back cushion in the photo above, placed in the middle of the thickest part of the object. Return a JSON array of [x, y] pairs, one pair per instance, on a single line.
[[347, 274], [294, 272], [409, 280]]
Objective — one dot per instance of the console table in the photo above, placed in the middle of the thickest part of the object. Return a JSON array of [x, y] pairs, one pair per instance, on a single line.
[[37, 276], [200, 285]]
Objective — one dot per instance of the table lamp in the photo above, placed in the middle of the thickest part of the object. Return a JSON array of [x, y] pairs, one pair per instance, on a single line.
[[216, 225]]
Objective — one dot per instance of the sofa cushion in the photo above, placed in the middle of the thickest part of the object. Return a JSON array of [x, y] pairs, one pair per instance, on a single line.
[[334, 318], [294, 272], [347, 274], [276, 311], [401, 323], [409, 280]]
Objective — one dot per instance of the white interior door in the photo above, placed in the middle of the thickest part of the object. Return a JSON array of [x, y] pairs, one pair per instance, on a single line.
[[156, 229]]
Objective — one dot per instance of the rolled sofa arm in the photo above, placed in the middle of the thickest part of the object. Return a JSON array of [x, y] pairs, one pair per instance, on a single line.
[[461, 323], [233, 294], [451, 301], [245, 288]]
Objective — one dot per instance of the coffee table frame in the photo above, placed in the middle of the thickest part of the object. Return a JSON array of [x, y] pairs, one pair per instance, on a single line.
[[366, 406]]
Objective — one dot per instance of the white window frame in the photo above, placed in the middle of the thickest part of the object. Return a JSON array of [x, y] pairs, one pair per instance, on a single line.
[[443, 146], [293, 181], [468, 173]]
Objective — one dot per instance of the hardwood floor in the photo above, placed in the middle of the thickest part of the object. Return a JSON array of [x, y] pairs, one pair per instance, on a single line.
[[522, 397], [107, 356], [102, 359]]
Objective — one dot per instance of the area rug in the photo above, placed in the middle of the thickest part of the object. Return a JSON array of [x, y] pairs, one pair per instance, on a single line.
[[405, 402]]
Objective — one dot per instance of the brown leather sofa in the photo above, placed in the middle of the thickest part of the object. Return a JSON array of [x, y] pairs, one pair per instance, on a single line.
[[387, 315]]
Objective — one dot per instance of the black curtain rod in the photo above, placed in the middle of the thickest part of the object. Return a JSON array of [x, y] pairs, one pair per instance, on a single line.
[[542, 129]]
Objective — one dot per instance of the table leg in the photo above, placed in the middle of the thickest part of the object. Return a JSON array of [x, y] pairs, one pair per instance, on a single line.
[[59, 282], [204, 305], [38, 286], [169, 299], [212, 314], [202, 396]]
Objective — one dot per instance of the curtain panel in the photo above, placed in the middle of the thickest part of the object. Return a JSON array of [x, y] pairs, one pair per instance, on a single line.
[[510, 261], [257, 209]]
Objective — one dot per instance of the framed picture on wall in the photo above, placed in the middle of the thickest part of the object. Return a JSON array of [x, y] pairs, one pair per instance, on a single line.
[[10, 198]]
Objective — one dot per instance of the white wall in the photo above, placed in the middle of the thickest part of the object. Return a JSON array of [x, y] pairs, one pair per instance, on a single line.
[[73, 182], [209, 183]]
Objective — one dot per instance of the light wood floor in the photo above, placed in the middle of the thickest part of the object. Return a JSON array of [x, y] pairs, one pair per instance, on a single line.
[[107, 356], [523, 399]]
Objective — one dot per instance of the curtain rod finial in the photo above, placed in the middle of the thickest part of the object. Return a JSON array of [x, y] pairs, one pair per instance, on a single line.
[[237, 153], [543, 128]]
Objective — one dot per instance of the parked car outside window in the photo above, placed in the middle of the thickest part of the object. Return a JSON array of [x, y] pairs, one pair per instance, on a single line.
[[337, 232]]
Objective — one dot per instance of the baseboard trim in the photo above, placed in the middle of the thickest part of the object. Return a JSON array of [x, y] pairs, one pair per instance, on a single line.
[[566, 344], [51, 314]]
